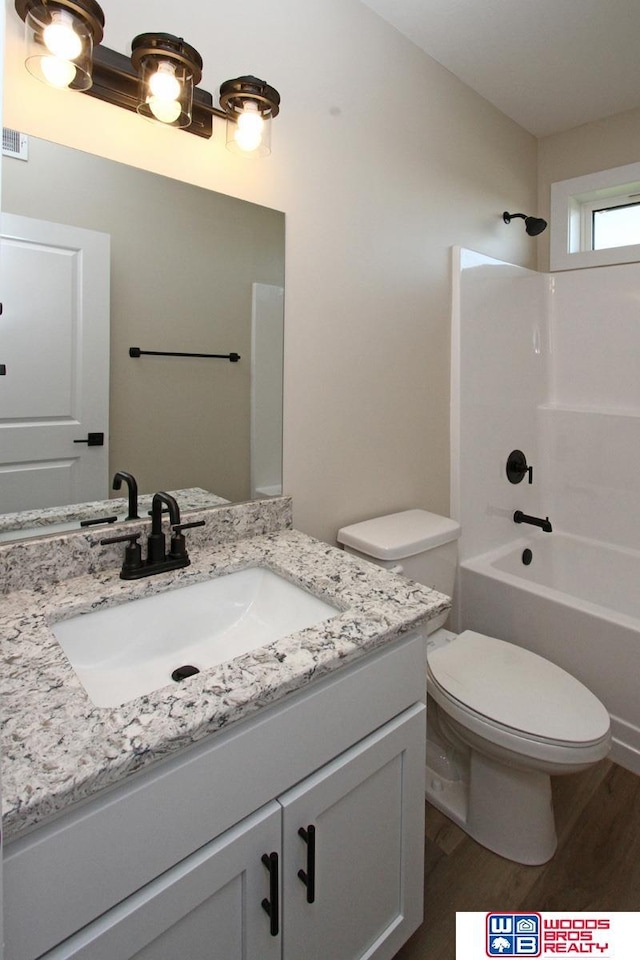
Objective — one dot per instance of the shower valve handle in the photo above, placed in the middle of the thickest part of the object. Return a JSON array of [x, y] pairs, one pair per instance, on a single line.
[[517, 467]]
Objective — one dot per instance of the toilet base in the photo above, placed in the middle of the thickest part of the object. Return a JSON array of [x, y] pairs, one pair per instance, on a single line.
[[505, 809]]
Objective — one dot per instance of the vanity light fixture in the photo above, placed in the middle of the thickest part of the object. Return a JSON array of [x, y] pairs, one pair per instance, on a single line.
[[160, 81]]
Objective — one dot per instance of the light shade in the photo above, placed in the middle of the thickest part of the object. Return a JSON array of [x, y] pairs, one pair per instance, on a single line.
[[168, 69], [250, 105], [250, 134], [59, 40]]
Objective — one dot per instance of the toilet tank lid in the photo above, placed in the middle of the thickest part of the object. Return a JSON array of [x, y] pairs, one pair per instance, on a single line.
[[399, 535]]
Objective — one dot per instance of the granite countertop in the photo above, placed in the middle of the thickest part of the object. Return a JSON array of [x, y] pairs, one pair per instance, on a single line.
[[59, 748]]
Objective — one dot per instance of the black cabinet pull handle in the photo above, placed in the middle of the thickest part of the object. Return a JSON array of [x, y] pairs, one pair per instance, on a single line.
[[308, 876], [93, 440], [271, 906]]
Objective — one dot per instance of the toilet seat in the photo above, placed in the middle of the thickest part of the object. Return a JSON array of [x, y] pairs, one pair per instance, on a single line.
[[517, 699]]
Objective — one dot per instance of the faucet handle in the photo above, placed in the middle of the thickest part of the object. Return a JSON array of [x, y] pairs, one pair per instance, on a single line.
[[178, 542], [132, 554], [179, 527], [131, 537]]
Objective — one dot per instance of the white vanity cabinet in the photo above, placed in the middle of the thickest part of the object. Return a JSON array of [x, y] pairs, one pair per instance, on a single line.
[[172, 864], [357, 872]]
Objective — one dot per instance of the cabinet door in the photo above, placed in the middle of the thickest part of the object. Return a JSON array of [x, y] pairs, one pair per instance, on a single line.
[[367, 811], [209, 907]]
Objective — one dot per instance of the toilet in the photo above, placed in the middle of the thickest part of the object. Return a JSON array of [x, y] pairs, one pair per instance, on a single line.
[[500, 719]]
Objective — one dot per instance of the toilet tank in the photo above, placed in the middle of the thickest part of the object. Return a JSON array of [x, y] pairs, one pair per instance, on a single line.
[[416, 543]]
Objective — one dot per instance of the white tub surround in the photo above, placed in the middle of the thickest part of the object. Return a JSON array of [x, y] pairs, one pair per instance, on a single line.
[[58, 748], [546, 364]]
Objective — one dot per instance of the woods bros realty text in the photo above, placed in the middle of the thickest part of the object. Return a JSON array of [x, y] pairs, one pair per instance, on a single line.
[[535, 935], [579, 935]]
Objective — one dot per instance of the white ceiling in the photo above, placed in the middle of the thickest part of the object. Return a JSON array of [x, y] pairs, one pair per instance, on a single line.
[[548, 64]]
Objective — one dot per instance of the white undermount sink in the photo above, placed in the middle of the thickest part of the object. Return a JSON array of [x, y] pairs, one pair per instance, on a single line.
[[133, 649]]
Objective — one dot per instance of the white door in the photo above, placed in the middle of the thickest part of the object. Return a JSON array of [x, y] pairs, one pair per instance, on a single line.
[[54, 348], [366, 809]]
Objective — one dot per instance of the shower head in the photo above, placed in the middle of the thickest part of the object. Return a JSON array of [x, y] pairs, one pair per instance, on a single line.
[[533, 225]]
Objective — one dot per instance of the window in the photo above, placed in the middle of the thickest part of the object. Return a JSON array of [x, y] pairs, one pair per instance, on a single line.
[[595, 220], [614, 226]]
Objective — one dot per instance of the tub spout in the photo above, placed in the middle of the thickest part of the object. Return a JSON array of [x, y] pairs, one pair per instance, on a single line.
[[520, 517]]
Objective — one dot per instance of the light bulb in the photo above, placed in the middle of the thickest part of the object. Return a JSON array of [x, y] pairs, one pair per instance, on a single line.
[[167, 111], [163, 84], [58, 72], [60, 37], [249, 127]]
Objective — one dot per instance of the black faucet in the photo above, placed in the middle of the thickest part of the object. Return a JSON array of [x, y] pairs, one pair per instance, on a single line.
[[130, 481], [158, 560], [520, 517], [155, 542]]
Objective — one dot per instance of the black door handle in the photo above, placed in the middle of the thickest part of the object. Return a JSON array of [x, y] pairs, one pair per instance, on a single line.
[[308, 876], [271, 906], [93, 440]]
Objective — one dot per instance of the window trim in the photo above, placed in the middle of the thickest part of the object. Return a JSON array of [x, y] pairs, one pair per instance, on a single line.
[[570, 198]]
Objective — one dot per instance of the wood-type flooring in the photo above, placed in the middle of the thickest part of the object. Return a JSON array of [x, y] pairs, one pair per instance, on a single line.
[[596, 865]]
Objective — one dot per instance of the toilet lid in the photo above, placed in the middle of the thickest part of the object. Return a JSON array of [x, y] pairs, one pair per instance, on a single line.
[[517, 689]]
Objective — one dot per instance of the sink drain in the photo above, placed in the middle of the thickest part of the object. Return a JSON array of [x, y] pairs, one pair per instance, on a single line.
[[183, 672]]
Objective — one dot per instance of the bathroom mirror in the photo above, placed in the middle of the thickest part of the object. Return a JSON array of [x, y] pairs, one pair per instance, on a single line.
[[191, 271]]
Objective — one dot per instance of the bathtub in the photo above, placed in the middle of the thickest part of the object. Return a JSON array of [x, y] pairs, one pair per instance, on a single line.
[[578, 604]]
